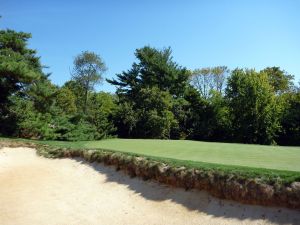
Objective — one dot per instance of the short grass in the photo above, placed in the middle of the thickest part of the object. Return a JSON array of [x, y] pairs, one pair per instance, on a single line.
[[255, 156]]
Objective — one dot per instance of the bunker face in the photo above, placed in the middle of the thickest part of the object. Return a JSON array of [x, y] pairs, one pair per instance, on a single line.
[[35, 190]]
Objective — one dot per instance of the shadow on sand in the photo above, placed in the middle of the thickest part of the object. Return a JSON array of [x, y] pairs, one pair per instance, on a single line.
[[197, 200]]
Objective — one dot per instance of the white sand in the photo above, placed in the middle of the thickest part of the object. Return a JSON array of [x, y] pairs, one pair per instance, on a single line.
[[36, 190]]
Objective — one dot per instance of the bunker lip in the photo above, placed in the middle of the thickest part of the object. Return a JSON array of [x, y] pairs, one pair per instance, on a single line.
[[229, 186], [63, 191]]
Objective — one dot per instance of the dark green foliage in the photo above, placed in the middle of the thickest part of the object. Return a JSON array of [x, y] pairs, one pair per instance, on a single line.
[[42, 93], [146, 94], [149, 116], [290, 121], [199, 116], [125, 119], [220, 117], [101, 108], [30, 122], [82, 130], [155, 68], [19, 67], [155, 118]]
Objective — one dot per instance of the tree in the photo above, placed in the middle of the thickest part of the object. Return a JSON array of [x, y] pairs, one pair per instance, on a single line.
[[280, 80], [19, 67], [42, 93], [220, 124], [253, 108], [125, 119], [78, 91], [290, 120], [206, 80], [88, 71], [219, 77], [101, 109], [154, 112], [155, 68], [66, 100], [146, 93], [202, 80], [199, 116]]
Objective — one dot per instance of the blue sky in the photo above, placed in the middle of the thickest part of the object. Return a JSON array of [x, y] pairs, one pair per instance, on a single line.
[[252, 34]]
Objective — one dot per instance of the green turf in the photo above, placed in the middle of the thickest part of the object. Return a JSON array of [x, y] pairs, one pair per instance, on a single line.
[[258, 156]]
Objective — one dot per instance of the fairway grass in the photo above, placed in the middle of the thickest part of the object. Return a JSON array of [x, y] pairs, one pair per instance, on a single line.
[[255, 156]]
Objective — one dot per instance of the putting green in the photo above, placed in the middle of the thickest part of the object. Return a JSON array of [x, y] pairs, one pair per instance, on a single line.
[[258, 156]]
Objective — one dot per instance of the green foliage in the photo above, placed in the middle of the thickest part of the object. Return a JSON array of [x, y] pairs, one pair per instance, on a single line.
[[19, 66], [156, 124], [42, 93], [156, 98], [125, 119], [154, 113], [278, 79], [180, 111], [100, 111], [66, 100], [253, 108], [78, 91], [148, 116], [220, 117], [80, 131], [146, 94], [199, 116], [290, 120], [155, 68], [30, 122]]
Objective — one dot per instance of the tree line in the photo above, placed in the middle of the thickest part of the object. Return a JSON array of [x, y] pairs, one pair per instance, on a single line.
[[155, 98]]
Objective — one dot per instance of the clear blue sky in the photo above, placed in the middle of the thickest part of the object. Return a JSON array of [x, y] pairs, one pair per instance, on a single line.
[[252, 34]]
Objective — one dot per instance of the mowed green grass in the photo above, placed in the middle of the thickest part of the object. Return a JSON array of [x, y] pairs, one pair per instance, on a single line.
[[257, 156]]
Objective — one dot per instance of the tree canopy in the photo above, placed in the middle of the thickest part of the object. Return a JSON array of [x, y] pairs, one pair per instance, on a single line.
[[155, 98]]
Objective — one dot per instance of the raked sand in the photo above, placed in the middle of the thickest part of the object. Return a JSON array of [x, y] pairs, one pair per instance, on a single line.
[[35, 190]]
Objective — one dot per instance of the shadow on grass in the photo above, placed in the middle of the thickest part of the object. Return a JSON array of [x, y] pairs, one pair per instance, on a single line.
[[197, 200]]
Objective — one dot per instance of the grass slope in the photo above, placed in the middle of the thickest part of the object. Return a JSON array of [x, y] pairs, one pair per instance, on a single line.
[[255, 156]]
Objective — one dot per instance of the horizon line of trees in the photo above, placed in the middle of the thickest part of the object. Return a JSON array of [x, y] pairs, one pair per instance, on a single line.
[[155, 98]]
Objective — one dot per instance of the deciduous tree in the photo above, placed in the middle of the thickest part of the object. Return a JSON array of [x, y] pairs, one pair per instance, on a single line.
[[253, 108], [88, 71]]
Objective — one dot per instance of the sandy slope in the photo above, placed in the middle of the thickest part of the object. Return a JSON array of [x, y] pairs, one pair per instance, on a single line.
[[35, 190]]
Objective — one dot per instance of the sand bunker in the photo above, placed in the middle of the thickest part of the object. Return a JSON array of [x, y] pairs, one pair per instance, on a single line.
[[36, 190]]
